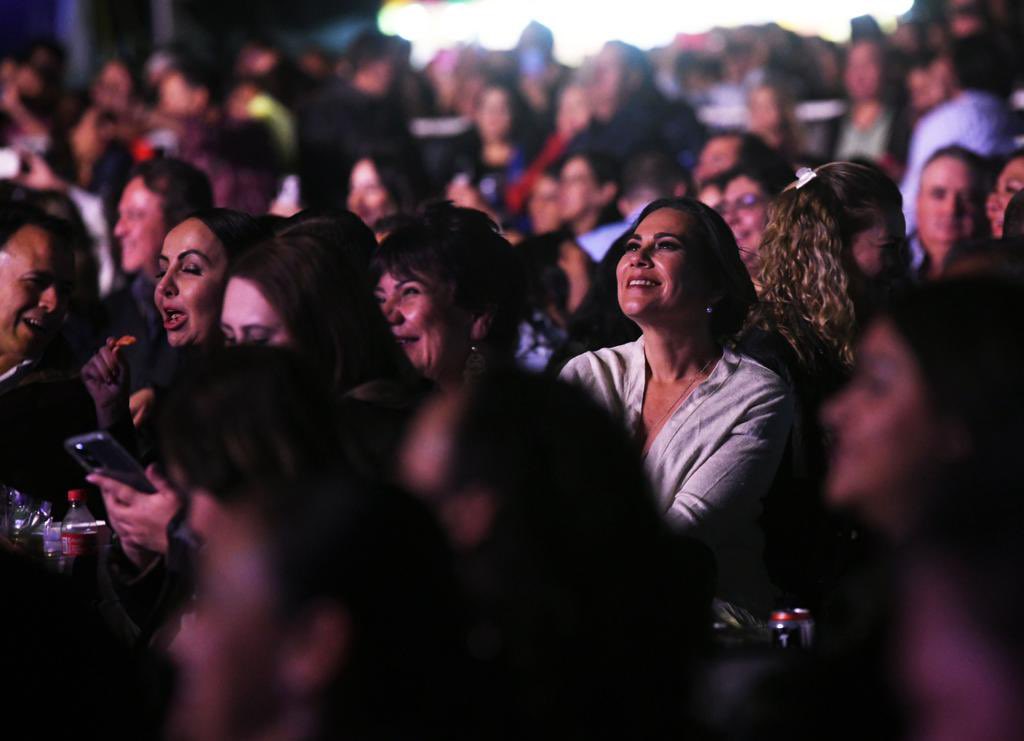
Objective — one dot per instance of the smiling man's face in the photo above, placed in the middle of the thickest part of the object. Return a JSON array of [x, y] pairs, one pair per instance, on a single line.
[[36, 278]]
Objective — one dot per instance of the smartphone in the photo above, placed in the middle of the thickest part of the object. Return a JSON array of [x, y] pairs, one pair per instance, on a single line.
[[98, 452]]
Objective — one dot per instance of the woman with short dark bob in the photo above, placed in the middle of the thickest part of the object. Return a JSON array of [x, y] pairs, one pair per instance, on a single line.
[[712, 422], [451, 288]]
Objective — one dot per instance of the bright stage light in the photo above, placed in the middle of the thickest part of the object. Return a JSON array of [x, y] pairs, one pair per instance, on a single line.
[[582, 26]]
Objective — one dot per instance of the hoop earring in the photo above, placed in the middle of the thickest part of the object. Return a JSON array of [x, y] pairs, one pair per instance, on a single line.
[[476, 364]]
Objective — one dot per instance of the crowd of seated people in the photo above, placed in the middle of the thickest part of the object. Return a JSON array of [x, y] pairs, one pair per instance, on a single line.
[[519, 432]]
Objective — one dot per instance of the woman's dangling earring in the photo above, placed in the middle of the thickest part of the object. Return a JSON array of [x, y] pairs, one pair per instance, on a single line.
[[709, 309], [476, 364]]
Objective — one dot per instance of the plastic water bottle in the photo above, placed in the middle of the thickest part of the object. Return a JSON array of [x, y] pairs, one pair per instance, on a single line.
[[78, 533]]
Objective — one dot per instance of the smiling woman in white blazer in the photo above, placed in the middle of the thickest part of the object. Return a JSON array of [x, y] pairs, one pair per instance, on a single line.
[[713, 423]]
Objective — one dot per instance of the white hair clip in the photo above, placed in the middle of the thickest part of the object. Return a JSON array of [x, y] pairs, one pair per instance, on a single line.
[[803, 176]]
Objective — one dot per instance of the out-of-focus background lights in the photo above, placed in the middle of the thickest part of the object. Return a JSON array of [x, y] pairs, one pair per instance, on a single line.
[[582, 26]]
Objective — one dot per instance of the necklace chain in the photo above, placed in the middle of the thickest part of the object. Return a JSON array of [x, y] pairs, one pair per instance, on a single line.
[[657, 425]]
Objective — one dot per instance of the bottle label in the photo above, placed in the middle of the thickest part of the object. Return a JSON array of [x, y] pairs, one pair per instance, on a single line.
[[78, 544]]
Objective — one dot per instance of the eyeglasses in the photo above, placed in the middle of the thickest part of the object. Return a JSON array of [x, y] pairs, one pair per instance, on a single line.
[[745, 202]]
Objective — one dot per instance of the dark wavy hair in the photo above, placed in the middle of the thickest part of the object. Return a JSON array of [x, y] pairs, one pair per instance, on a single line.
[[461, 249], [327, 307], [722, 260]]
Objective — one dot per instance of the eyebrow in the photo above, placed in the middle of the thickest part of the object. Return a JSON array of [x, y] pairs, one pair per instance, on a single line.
[[186, 253], [196, 252]]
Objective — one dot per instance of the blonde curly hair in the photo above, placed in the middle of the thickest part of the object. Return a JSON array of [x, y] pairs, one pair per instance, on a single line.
[[808, 268]]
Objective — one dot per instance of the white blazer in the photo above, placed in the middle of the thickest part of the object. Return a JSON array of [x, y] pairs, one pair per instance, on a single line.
[[714, 459]]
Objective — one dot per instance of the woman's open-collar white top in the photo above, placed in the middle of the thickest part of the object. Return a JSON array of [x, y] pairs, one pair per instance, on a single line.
[[714, 459]]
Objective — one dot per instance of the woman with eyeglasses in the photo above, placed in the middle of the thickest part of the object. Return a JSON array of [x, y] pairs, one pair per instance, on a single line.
[[747, 191]]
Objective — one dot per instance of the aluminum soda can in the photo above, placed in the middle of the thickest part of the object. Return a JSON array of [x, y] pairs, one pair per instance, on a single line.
[[792, 628]]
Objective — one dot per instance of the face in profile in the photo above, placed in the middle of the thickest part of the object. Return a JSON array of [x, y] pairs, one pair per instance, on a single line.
[[876, 250], [889, 440], [140, 228], [193, 270], [744, 206], [434, 332], [662, 275], [247, 318], [367, 197], [1009, 183], [35, 286]]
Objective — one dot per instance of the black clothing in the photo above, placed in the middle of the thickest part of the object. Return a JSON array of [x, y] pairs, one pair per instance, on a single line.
[[806, 545], [48, 405]]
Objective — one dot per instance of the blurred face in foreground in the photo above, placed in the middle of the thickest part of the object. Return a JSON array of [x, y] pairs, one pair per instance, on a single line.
[[227, 655], [889, 439], [467, 516], [250, 668]]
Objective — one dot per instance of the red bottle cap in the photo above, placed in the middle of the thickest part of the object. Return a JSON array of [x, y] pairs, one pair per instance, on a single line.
[[77, 495]]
